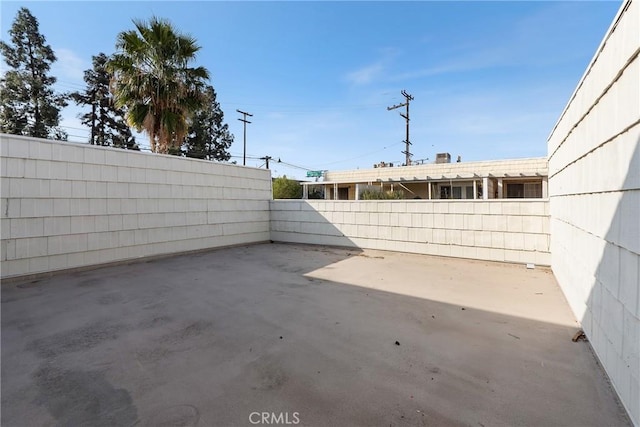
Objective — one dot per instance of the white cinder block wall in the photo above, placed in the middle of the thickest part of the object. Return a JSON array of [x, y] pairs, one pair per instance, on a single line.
[[505, 230], [594, 184], [69, 205]]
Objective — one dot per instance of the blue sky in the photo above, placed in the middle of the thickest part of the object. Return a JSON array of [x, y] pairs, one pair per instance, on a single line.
[[489, 79]]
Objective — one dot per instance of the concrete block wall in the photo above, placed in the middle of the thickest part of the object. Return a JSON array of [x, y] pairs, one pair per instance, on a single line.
[[505, 230], [69, 205], [594, 189]]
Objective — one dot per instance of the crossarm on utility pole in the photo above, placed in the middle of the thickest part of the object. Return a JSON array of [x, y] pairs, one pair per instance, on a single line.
[[245, 121], [408, 98]]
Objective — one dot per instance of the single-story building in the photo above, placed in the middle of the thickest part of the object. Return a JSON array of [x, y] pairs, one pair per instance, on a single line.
[[494, 179]]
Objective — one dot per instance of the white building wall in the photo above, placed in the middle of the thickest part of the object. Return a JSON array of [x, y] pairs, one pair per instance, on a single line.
[[594, 186], [69, 205], [505, 230], [498, 168]]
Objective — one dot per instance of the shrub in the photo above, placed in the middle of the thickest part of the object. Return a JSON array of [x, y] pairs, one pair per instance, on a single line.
[[285, 188], [381, 195]]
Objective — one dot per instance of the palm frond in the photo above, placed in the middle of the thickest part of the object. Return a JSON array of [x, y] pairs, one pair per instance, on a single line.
[[152, 78]]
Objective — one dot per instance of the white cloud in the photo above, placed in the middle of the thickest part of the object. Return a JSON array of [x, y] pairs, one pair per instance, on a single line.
[[373, 71], [486, 123], [531, 41], [69, 66], [462, 58], [275, 115], [366, 74]]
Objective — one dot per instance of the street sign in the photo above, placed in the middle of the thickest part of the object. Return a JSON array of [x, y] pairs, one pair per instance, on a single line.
[[314, 174]]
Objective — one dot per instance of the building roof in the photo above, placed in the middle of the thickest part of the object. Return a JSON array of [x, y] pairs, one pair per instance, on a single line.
[[513, 168]]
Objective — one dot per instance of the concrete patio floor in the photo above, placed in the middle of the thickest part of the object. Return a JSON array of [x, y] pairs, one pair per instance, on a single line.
[[307, 333]]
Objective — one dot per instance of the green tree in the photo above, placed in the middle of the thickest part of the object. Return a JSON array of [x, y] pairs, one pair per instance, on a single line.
[[28, 104], [153, 80], [106, 121], [209, 137], [285, 188]]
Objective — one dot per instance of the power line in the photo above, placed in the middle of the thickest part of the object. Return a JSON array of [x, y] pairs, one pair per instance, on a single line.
[[294, 166], [77, 136], [69, 82], [246, 157], [68, 86], [309, 108], [74, 128], [363, 155]]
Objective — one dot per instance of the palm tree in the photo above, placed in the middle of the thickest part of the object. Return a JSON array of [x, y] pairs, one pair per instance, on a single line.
[[153, 80]]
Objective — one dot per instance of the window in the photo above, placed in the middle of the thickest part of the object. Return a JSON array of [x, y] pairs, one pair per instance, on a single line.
[[444, 192], [468, 193], [457, 192], [533, 190], [451, 192], [515, 191], [528, 190]]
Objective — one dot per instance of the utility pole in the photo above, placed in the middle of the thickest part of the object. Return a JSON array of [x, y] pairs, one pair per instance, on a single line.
[[408, 98], [266, 159], [245, 121]]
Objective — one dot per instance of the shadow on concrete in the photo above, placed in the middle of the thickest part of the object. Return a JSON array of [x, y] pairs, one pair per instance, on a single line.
[[208, 339]]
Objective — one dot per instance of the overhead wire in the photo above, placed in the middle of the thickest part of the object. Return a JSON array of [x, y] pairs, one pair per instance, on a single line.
[[363, 155], [279, 161], [308, 108], [71, 84], [289, 109]]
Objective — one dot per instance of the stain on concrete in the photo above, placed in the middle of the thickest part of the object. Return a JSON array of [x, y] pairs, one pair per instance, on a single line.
[[78, 339], [20, 324], [155, 322], [16, 294], [90, 282], [152, 305], [83, 398], [294, 285], [192, 330], [269, 375], [109, 299], [5, 298], [173, 416], [433, 417], [172, 342], [30, 285], [153, 355], [289, 268]]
